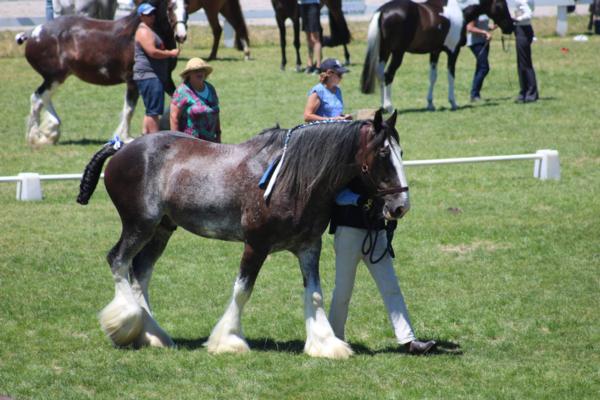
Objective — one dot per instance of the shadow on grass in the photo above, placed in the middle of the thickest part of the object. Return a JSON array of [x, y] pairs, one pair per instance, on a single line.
[[82, 142], [443, 347], [258, 344]]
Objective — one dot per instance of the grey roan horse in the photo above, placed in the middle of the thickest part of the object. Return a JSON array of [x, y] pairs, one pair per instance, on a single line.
[[165, 180], [431, 26]]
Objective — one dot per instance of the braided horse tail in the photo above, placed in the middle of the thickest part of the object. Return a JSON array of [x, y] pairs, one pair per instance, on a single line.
[[92, 172]]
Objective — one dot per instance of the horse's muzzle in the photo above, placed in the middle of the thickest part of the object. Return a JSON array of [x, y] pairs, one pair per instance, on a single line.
[[394, 213]]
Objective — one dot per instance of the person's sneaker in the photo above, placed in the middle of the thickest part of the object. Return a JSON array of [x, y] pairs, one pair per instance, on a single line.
[[418, 348], [309, 69], [316, 70]]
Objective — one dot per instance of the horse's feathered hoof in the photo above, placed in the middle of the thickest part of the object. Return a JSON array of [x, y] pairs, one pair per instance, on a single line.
[[152, 334], [227, 344], [430, 107], [121, 321], [331, 347]]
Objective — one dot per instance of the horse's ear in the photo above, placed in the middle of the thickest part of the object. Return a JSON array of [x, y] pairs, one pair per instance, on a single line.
[[391, 122], [377, 120]]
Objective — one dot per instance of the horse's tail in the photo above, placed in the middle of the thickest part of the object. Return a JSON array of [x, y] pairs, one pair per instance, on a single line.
[[21, 38], [367, 79], [232, 11], [340, 34], [92, 172]]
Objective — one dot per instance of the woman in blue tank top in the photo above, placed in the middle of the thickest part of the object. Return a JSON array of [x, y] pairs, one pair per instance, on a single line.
[[325, 98], [150, 68]]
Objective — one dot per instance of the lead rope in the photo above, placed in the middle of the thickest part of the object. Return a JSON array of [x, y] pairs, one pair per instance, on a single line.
[[370, 242]]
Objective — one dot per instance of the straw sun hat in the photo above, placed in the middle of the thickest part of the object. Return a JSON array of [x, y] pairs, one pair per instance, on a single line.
[[195, 64]]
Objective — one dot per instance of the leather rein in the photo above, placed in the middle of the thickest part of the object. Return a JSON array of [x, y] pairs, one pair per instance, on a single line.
[[365, 130]]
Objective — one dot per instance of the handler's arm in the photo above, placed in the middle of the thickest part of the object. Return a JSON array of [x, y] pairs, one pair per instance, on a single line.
[[174, 117], [145, 38]]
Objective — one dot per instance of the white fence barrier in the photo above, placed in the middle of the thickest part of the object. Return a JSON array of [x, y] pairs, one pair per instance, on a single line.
[[546, 166]]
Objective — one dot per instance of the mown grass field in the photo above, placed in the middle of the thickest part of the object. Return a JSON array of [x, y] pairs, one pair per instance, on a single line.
[[503, 270]]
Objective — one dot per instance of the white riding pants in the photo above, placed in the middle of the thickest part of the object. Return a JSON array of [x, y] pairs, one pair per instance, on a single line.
[[348, 244]]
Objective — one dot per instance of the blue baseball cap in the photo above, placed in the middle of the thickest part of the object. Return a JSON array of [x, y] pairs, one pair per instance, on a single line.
[[145, 9], [334, 65]]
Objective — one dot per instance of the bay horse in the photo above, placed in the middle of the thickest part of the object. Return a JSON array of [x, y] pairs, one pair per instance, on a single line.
[[168, 179], [230, 9], [96, 51], [340, 34], [101, 9], [432, 26]]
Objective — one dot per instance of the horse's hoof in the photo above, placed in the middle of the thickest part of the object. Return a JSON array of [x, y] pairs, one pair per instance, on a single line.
[[331, 347], [299, 68], [227, 344], [430, 107], [152, 334], [387, 109], [282, 67], [121, 321], [453, 107]]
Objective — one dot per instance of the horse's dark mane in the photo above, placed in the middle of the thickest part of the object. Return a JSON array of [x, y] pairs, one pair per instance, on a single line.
[[317, 153]]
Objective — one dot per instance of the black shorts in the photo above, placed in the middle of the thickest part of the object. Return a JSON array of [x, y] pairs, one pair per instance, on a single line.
[[311, 17]]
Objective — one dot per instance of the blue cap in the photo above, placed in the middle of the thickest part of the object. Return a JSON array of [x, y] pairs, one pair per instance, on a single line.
[[145, 9], [334, 65]]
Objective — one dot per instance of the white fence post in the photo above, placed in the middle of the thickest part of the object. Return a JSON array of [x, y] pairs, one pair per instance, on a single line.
[[29, 186], [561, 20], [548, 167]]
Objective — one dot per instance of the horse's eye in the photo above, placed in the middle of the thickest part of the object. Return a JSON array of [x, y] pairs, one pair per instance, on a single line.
[[383, 153]]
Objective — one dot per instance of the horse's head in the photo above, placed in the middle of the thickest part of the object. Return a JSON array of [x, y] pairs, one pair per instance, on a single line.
[[498, 11], [179, 8], [382, 170]]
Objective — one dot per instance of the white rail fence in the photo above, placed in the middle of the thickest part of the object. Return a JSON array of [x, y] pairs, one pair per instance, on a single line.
[[546, 166]]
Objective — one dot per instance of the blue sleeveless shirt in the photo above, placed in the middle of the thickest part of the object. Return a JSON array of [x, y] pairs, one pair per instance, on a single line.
[[332, 104]]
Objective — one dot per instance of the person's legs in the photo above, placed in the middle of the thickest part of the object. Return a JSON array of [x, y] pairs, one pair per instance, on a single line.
[[153, 95], [316, 48], [347, 244], [385, 277], [150, 124], [480, 51], [49, 10], [531, 93]]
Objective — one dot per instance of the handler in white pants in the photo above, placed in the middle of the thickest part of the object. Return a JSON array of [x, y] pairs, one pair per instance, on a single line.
[[349, 221]]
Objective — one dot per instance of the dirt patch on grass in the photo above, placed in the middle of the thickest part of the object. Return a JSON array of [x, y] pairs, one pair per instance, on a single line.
[[463, 249]]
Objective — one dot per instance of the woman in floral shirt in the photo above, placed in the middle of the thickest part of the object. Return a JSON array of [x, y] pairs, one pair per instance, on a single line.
[[195, 105]]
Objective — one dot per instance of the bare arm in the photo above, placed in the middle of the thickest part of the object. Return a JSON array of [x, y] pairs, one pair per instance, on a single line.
[[477, 31], [312, 105], [174, 117], [145, 38]]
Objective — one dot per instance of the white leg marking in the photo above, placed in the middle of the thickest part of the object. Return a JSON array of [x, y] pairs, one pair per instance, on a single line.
[[432, 80], [387, 98], [227, 335], [320, 339], [451, 97], [123, 129], [151, 333], [122, 318]]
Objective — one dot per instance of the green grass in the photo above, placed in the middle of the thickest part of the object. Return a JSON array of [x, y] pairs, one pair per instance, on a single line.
[[509, 285]]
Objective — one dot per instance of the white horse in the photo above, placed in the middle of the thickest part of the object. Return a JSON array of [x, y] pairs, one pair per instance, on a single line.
[[101, 9]]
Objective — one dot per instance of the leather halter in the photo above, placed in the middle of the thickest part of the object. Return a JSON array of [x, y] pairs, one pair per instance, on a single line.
[[365, 130]]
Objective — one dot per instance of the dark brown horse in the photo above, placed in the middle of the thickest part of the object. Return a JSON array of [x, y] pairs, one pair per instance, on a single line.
[[96, 51], [165, 180], [432, 26], [340, 35], [230, 9]]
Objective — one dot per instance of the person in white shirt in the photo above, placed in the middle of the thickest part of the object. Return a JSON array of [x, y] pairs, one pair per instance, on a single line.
[[524, 36]]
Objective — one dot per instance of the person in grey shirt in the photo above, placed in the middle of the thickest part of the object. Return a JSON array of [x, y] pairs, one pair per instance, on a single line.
[[150, 69]]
